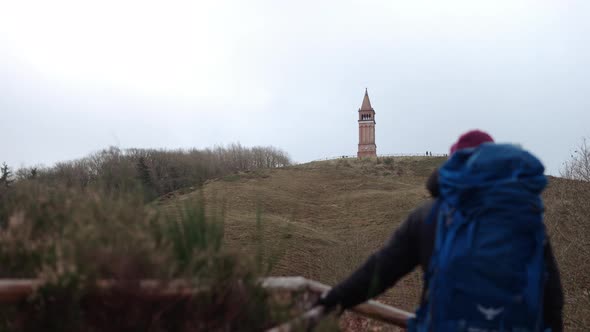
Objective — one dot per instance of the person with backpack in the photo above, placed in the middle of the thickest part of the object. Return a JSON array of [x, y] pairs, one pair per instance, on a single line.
[[481, 243]]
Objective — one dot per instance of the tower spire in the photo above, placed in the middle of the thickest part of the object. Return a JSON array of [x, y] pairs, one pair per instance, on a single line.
[[366, 105]]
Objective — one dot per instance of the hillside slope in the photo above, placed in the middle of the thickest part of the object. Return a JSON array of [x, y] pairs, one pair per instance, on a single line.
[[322, 219]]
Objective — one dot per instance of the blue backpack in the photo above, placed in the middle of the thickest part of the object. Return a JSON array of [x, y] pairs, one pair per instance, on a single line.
[[487, 270]]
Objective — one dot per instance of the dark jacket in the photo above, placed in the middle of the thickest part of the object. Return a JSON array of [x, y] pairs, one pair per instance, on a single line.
[[412, 245]]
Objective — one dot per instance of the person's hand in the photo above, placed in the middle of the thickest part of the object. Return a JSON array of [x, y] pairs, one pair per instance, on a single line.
[[312, 317], [306, 322]]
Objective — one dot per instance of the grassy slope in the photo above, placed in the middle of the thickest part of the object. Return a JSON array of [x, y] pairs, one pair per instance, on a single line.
[[324, 218]]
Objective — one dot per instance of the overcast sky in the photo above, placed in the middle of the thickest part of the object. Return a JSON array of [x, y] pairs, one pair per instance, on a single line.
[[78, 76]]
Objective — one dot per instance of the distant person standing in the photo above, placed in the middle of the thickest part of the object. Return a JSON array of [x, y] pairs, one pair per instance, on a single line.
[[480, 242]]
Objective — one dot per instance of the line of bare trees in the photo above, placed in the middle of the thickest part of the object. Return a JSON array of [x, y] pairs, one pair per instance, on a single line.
[[578, 166], [156, 171]]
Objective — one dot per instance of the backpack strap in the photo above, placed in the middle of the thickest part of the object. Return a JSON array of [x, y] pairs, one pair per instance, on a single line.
[[419, 322], [432, 216]]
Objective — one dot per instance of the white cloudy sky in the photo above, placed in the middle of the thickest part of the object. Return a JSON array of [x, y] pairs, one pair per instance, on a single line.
[[77, 76]]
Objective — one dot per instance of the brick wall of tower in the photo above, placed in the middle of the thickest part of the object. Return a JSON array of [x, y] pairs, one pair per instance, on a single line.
[[366, 146], [366, 121]]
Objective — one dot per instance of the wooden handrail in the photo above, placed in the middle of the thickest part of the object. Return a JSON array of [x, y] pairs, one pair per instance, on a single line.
[[15, 290], [371, 309]]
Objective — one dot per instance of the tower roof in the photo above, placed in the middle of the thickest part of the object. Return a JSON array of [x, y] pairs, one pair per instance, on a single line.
[[366, 106]]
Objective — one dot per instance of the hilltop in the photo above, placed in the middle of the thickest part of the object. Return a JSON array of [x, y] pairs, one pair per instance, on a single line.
[[321, 219]]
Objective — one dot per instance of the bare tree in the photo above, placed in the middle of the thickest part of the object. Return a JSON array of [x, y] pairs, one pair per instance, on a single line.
[[5, 175], [27, 173], [160, 171], [578, 166]]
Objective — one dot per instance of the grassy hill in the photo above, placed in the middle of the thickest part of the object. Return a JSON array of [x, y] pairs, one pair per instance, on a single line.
[[322, 219]]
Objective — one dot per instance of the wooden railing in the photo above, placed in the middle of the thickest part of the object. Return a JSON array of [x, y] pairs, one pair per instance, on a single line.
[[16, 290], [370, 309]]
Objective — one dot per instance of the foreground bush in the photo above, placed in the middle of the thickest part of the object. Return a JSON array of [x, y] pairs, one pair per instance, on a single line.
[[72, 237]]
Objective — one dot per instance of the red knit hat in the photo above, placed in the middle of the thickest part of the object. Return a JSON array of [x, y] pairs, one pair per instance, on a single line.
[[471, 139]]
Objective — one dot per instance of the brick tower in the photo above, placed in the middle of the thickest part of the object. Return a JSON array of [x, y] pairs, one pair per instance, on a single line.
[[367, 147]]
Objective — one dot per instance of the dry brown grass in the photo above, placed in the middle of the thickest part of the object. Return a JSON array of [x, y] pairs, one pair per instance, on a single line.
[[324, 218], [568, 222]]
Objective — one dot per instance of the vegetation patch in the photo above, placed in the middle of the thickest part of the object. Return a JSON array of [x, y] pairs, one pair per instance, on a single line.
[[72, 238], [232, 177], [153, 172]]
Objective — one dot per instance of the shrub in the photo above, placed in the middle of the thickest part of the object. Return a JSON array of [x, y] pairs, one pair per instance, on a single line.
[[71, 237], [154, 172], [6, 177], [578, 166]]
